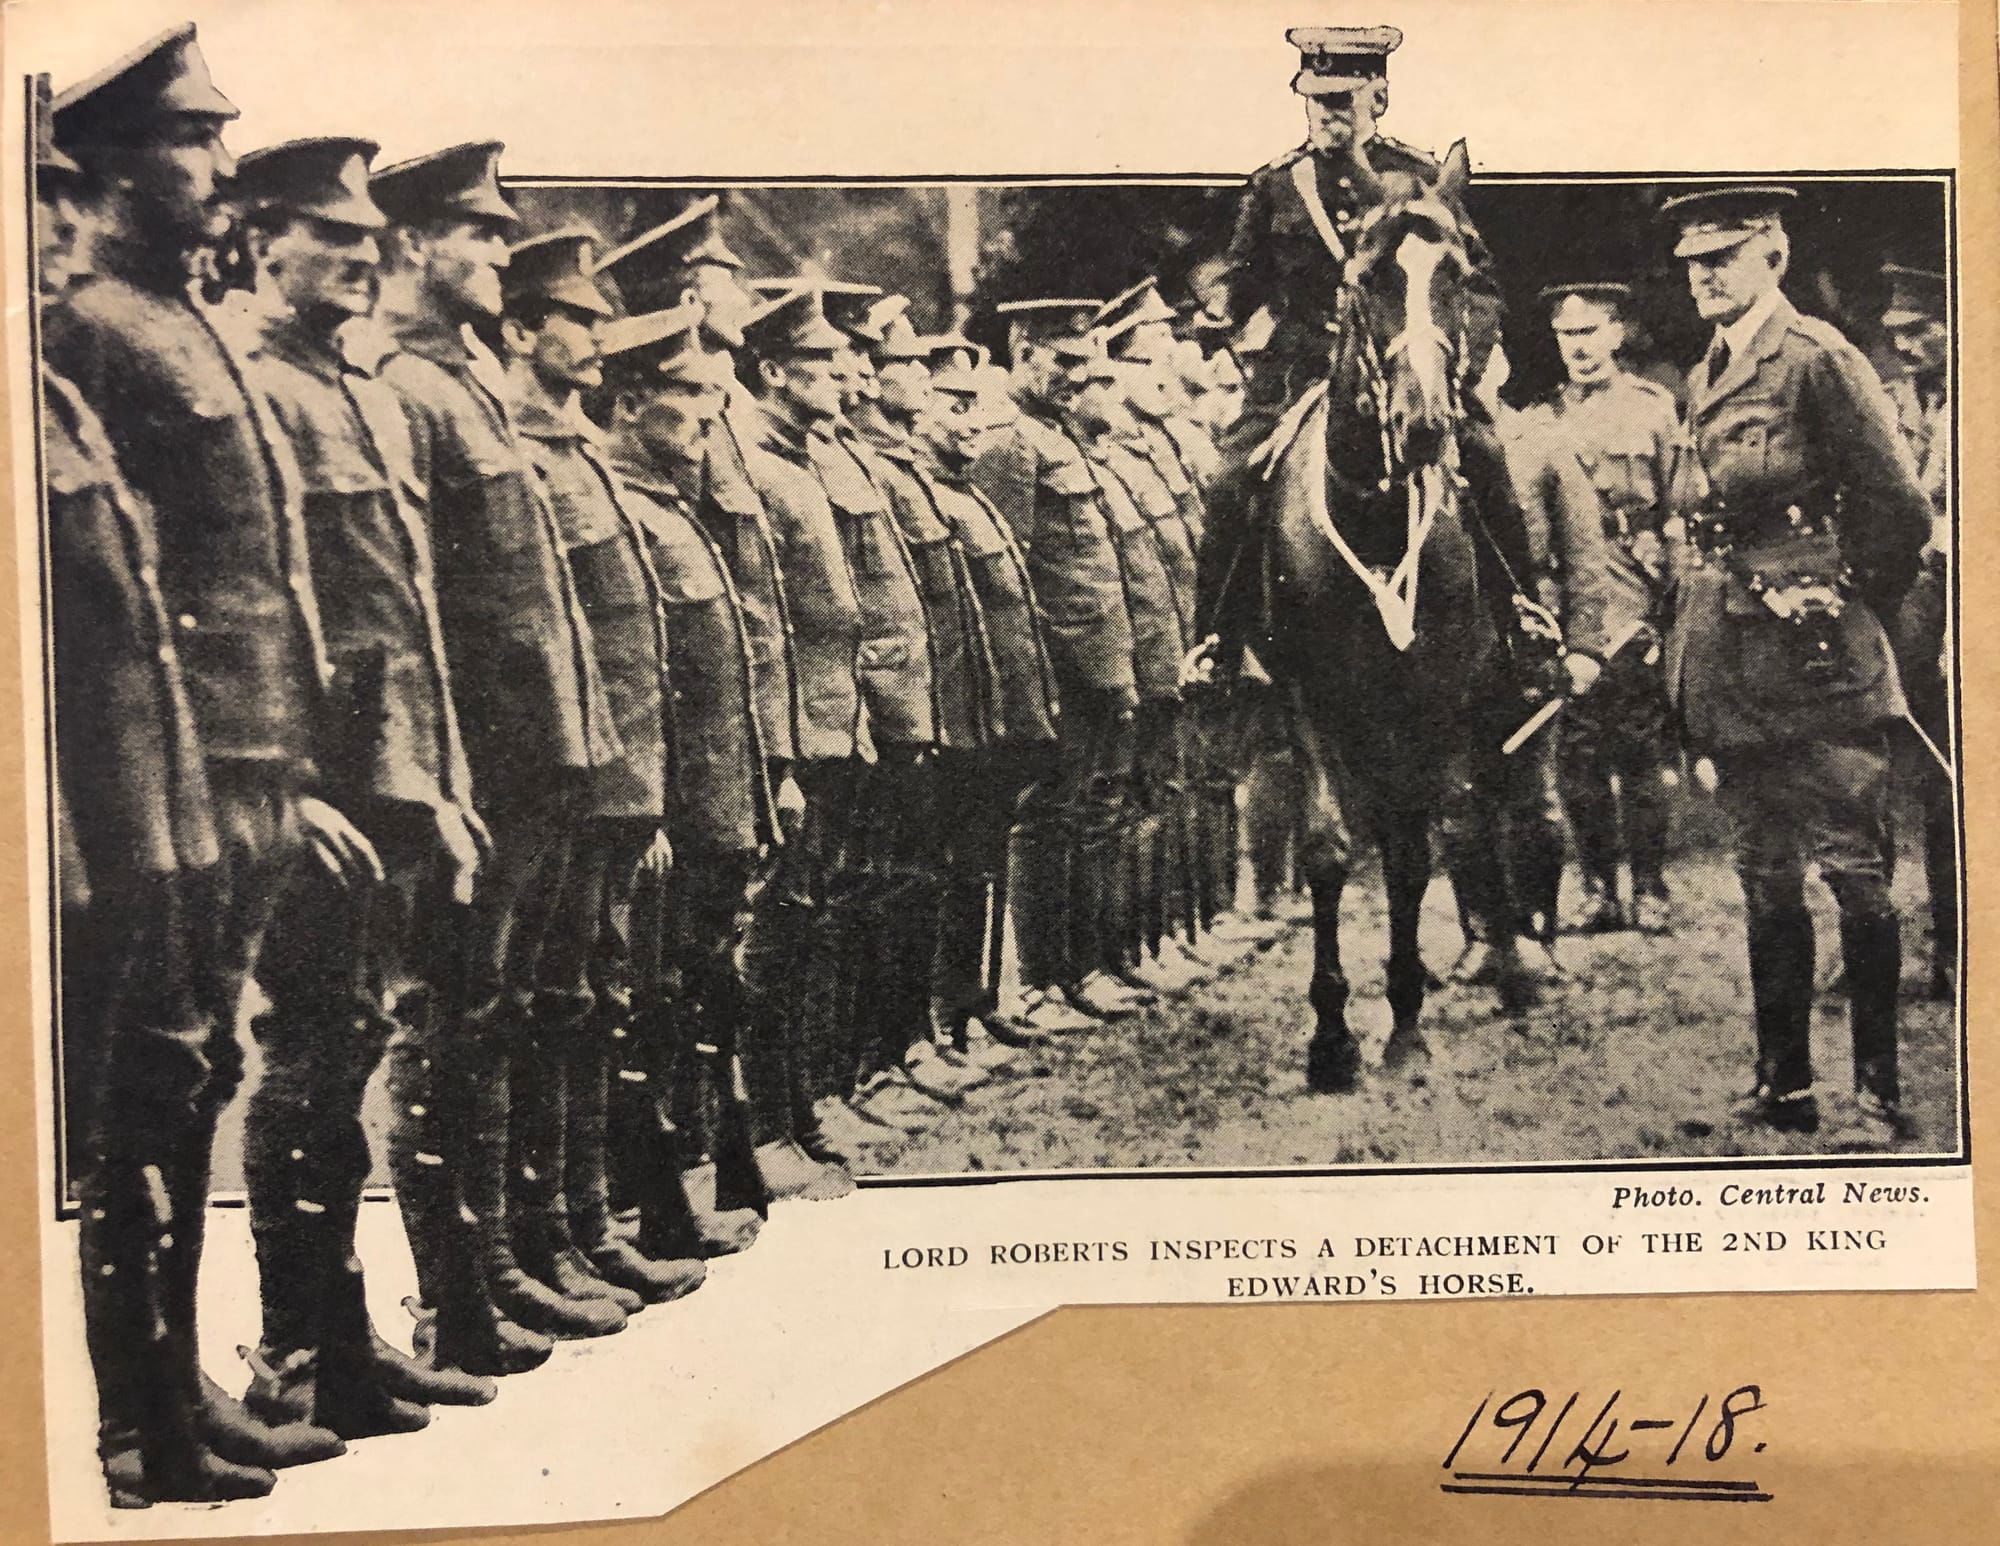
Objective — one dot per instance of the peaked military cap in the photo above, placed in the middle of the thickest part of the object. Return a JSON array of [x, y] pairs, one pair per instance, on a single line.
[[555, 267], [1084, 358], [1047, 318], [845, 302], [955, 374], [795, 323], [658, 259], [1565, 301], [326, 178], [1133, 308], [460, 181], [157, 81], [51, 163], [891, 334], [1334, 61], [954, 351], [663, 346], [1716, 219], [1915, 295]]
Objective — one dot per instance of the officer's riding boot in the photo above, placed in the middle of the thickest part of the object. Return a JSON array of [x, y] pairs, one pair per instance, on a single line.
[[1781, 950], [1871, 945], [537, 1209], [739, 1183], [587, 1187], [494, 1040]]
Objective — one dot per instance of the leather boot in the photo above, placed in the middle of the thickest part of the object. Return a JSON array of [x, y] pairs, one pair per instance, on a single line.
[[460, 1330], [1871, 944], [516, 1295], [1781, 988], [220, 1421]]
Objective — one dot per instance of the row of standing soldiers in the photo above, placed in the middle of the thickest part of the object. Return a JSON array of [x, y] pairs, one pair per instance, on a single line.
[[609, 694]]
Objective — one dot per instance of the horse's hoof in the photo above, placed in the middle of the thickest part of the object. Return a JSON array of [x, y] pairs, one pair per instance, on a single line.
[[1333, 1065], [1405, 1049]]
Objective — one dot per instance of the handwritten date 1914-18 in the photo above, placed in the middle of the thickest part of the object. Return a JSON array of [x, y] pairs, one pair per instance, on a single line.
[[1535, 1444]]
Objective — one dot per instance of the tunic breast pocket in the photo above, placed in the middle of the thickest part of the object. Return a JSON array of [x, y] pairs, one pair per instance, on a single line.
[[1738, 441]]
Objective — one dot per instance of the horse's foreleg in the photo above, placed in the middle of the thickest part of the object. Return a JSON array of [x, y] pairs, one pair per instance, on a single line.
[[1333, 1061], [1406, 873]]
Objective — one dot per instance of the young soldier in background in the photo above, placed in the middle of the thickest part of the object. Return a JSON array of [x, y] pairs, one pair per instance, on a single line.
[[1621, 429], [1915, 321]]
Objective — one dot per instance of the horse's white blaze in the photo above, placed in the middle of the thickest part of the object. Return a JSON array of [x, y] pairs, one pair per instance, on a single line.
[[1418, 257]]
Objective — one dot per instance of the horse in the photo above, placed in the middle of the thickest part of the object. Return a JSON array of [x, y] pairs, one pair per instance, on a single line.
[[1378, 627]]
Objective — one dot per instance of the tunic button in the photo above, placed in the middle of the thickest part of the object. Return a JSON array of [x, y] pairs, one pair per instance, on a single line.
[[186, 620], [149, 575], [166, 654]]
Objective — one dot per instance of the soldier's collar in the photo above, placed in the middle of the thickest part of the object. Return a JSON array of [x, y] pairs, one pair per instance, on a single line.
[[563, 422], [886, 440], [638, 471], [285, 335], [434, 339], [1583, 391], [781, 435]]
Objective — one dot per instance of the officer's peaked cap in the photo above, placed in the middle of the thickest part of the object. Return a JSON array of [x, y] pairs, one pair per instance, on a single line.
[[1334, 61], [794, 323], [1716, 219], [1915, 295]]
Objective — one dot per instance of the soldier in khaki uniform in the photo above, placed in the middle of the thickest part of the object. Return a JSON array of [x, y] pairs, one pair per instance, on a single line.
[[1017, 692], [129, 768], [803, 923], [1035, 474], [1621, 427], [533, 713], [550, 329], [344, 969], [1804, 528], [1915, 322], [205, 456], [887, 416], [663, 392]]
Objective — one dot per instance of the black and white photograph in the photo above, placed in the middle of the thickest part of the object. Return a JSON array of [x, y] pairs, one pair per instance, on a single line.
[[597, 722]]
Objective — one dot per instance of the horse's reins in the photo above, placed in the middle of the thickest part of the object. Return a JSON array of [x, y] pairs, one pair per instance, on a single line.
[[1431, 490]]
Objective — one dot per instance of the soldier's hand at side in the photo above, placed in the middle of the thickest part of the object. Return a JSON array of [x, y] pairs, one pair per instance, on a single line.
[[461, 849], [1198, 664], [659, 855], [1581, 673], [482, 835], [791, 807], [338, 844]]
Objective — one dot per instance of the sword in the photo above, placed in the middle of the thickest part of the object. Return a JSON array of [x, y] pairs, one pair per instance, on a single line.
[[1554, 706]]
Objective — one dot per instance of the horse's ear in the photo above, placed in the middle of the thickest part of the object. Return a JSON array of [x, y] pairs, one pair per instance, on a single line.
[[1456, 175]]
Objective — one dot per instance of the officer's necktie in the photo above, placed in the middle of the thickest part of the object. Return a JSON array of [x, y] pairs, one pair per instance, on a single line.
[[1718, 359]]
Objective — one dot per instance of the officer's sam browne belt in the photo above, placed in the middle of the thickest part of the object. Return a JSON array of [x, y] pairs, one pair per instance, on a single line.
[[1789, 563]]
